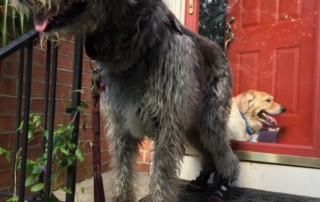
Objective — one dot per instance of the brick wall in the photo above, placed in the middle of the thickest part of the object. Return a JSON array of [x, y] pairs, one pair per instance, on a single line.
[[8, 103], [144, 158]]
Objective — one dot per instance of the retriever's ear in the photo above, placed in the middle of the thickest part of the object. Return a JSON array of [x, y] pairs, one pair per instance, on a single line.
[[246, 101]]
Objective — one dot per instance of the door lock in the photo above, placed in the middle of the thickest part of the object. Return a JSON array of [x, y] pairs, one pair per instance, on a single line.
[[190, 6]]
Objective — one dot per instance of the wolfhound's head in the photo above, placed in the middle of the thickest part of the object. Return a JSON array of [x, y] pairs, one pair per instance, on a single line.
[[70, 17]]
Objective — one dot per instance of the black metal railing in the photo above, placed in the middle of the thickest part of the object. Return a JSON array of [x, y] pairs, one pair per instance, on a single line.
[[25, 45]]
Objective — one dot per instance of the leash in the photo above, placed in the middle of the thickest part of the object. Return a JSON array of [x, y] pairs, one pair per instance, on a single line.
[[96, 90]]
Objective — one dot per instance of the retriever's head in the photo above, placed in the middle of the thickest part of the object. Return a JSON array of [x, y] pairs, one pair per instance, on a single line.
[[259, 107]]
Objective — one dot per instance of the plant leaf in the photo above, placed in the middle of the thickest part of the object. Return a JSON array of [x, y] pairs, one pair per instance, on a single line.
[[22, 22], [79, 108], [20, 127], [8, 156], [4, 23], [13, 17], [83, 104], [70, 160], [36, 169], [37, 187], [69, 110], [5, 152], [64, 150], [30, 165], [13, 199], [30, 134], [37, 120], [46, 134], [31, 180], [2, 150], [66, 190], [79, 155]]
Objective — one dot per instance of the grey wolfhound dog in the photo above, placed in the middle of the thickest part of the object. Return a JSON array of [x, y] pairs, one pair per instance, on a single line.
[[163, 81]]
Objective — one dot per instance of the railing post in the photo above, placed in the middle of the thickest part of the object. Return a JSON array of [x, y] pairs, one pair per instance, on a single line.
[[51, 121], [18, 114], [26, 121], [77, 84], [46, 103]]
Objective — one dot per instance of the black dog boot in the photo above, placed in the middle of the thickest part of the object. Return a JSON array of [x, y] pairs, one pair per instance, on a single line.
[[200, 183], [221, 193]]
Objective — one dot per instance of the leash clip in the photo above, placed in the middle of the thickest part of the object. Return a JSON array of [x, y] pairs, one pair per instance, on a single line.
[[96, 83]]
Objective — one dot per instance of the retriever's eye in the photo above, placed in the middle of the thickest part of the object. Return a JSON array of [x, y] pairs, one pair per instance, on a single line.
[[268, 100]]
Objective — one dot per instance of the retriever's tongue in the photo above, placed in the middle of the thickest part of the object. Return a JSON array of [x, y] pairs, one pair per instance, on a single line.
[[41, 21], [271, 119]]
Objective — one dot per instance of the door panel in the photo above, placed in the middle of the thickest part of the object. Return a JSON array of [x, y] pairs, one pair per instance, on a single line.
[[276, 49]]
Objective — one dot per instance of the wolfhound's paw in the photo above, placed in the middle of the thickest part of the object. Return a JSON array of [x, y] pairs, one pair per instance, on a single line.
[[215, 198], [196, 185], [219, 195]]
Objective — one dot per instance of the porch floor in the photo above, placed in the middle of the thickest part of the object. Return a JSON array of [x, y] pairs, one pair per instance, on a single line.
[[142, 179], [141, 189]]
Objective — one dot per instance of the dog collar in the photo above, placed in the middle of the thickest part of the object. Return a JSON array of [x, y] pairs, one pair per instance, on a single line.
[[248, 128]]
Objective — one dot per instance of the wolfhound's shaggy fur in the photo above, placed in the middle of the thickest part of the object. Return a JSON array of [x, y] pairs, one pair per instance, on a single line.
[[163, 82]]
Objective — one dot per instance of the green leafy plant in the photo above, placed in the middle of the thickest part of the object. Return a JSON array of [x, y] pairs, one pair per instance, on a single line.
[[4, 151], [13, 24], [64, 154]]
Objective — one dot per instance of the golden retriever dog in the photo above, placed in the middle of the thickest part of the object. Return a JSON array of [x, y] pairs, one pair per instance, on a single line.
[[250, 111]]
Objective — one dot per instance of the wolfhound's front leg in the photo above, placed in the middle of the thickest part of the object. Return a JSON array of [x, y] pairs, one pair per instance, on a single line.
[[124, 149], [168, 153]]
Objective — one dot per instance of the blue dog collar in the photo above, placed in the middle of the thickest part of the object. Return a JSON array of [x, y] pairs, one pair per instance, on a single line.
[[248, 128]]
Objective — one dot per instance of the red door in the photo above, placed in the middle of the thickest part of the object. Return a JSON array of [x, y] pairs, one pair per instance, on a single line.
[[275, 49]]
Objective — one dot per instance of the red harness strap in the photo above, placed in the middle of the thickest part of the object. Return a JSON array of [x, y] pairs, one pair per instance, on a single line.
[[96, 152]]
